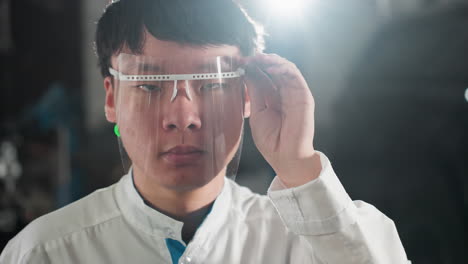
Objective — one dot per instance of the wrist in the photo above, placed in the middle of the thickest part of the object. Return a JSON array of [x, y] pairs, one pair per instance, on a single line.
[[301, 172]]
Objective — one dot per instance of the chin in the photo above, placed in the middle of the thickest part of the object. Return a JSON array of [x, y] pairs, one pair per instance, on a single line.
[[185, 179]]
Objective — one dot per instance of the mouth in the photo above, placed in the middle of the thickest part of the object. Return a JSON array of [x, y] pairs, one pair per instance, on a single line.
[[183, 155]]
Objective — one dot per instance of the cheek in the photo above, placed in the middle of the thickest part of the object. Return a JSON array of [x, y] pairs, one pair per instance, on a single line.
[[138, 120], [223, 115], [233, 113], [232, 120]]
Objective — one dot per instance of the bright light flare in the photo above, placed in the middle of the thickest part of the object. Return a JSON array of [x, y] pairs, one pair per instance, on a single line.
[[285, 8], [466, 95]]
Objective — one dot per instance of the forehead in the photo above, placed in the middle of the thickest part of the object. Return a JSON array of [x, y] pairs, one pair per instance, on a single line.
[[173, 51]]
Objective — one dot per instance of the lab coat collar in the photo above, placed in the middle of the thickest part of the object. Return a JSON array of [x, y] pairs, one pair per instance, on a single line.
[[157, 224]]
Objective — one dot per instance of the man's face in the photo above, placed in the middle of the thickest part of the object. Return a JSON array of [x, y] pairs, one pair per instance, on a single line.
[[178, 135]]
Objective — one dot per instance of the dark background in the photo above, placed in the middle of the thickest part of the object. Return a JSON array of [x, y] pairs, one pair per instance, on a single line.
[[389, 79]]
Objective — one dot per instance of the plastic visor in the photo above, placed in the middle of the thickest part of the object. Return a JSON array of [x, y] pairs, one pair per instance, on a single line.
[[180, 121]]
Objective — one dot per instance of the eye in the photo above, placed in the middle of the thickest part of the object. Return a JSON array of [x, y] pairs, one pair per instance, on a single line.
[[148, 87], [214, 86]]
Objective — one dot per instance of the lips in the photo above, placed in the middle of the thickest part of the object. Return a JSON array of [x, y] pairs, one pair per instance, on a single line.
[[183, 155]]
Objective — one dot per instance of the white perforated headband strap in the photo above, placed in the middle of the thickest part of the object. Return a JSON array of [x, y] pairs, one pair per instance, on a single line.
[[177, 77]]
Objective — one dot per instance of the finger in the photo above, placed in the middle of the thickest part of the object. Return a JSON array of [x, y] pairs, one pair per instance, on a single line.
[[264, 60], [291, 84], [280, 70], [262, 90], [285, 75]]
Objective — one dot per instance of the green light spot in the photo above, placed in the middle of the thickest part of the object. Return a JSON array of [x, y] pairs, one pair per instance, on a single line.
[[116, 130]]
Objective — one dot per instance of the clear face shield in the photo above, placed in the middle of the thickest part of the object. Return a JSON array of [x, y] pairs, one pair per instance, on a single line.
[[180, 120]]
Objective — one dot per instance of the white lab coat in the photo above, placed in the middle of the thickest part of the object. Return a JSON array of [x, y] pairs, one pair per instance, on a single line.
[[313, 223]]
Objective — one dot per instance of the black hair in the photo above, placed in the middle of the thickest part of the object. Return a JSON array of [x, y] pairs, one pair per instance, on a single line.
[[194, 22]]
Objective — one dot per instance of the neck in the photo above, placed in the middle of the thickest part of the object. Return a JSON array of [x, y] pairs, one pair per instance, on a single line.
[[180, 205], [188, 206]]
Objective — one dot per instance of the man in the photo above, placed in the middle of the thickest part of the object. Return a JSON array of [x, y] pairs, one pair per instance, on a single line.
[[180, 77]]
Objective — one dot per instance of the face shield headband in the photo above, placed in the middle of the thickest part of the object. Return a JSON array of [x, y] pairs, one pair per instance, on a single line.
[[178, 77]]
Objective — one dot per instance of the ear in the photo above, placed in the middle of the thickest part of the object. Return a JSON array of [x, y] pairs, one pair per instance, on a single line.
[[246, 103], [109, 107]]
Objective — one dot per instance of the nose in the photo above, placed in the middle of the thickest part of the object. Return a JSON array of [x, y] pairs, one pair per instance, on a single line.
[[183, 112]]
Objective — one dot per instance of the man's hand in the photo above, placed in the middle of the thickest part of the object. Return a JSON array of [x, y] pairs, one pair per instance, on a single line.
[[282, 118]]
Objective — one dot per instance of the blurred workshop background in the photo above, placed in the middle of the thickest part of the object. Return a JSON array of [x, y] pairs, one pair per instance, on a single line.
[[390, 79]]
